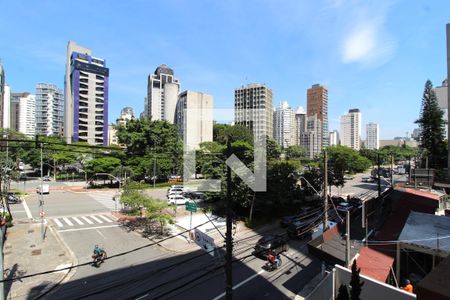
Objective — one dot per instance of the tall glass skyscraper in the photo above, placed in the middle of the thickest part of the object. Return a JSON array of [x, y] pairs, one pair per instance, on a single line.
[[86, 97]]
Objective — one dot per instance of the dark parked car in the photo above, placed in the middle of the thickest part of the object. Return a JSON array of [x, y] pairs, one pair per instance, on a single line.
[[13, 199], [300, 229], [305, 212], [276, 243], [343, 207]]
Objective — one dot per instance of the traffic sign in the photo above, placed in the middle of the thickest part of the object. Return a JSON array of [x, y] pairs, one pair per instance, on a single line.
[[191, 206]]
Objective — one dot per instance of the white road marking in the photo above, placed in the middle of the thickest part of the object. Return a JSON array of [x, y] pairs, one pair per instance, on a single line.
[[67, 221], [27, 210], [78, 220], [240, 284], [96, 219], [58, 223], [87, 220], [141, 297], [100, 233], [106, 219], [89, 228]]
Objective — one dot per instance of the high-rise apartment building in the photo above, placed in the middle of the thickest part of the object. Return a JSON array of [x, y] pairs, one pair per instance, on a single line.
[[334, 138], [49, 109], [253, 108], [194, 118], [351, 129], [27, 115], [311, 138], [300, 124], [2, 91], [372, 136], [442, 97], [7, 106], [162, 95], [15, 109], [86, 97], [448, 96], [126, 114], [317, 104], [284, 125]]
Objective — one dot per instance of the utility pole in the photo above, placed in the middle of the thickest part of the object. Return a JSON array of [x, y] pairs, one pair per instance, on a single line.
[[347, 244], [41, 198], [378, 173], [325, 191], [392, 171], [228, 240]]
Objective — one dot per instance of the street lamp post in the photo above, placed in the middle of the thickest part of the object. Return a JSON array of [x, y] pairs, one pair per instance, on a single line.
[[41, 198]]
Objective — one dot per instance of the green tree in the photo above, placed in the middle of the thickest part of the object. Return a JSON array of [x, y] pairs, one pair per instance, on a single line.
[[432, 124], [145, 140], [355, 282], [295, 152], [343, 293], [222, 132], [102, 165], [273, 149]]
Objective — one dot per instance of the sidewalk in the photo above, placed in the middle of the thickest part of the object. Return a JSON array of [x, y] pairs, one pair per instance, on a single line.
[[25, 253]]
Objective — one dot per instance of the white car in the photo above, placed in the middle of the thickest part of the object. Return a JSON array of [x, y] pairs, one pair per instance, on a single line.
[[45, 189], [178, 200], [177, 191]]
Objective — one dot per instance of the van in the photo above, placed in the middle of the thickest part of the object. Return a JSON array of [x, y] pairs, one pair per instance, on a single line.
[[45, 189]]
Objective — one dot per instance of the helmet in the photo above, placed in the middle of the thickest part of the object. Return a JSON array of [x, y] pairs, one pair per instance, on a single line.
[[407, 281]]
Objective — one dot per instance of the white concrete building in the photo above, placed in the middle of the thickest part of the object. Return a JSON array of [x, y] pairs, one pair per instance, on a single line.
[[299, 124], [334, 138], [284, 125], [49, 109], [162, 95], [372, 136], [253, 109], [27, 115], [86, 89], [7, 106], [311, 139], [442, 98], [194, 118], [126, 114], [112, 135], [351, 129]]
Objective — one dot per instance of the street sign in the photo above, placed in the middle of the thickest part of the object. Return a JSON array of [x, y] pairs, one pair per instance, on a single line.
[[204, 241], [191, 206]]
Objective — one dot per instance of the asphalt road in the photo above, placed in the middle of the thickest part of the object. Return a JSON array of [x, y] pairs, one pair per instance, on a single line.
[[83, 220]]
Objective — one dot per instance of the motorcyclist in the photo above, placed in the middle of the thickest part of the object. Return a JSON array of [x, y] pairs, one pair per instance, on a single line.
[[271, 258], [98, 252], [276, 262]]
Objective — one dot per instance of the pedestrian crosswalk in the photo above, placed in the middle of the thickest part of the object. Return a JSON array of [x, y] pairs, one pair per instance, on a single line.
[[106, 198], [68, 222]]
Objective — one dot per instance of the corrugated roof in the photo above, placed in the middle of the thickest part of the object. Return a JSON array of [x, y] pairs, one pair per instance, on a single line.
[[436, 285], [374, 264]]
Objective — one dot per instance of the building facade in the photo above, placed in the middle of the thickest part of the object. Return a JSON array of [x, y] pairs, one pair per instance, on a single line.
[[2, 92], [126, 114], [162, 95], [334, 138], [351, 129], [7, 106], [311, 139], [27, 115], [86, 97], [299, 124], [317, 104], [442, 97], [49, 109], [284, 125], [372, 136], [15, 109], [253, 109], [194, 118]]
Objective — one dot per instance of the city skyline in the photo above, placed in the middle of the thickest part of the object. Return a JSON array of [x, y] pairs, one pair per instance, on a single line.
[[385, 64]]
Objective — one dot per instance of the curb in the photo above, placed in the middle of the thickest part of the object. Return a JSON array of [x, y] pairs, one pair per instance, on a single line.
[[66, 277]]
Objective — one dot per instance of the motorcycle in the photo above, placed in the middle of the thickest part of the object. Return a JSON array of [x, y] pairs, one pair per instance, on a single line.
[[273, 266], [97, 260]]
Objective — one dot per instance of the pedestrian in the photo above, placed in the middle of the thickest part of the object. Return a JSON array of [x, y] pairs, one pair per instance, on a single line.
[[408, 286]]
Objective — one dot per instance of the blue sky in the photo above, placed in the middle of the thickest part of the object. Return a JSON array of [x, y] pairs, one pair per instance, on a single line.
[[372, 55]]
